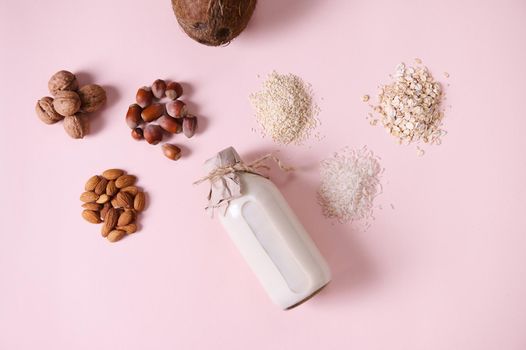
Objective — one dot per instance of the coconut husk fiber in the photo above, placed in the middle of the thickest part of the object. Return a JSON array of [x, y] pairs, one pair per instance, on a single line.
[[213, 22]]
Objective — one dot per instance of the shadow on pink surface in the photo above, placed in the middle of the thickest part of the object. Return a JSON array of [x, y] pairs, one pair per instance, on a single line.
[[271, 16], [350, 265], [193, 108]]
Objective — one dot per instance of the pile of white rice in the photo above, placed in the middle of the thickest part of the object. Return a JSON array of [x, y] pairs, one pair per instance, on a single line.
[[350, 181]]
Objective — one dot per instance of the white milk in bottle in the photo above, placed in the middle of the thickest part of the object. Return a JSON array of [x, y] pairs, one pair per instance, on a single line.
[[266, 231]]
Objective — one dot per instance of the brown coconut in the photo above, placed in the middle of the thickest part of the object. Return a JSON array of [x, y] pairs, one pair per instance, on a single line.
[[213, 22]]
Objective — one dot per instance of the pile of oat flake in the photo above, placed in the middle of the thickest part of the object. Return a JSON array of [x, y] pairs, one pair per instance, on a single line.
[[410, 107]]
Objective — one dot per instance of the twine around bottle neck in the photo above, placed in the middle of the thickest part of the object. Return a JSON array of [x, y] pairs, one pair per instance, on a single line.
[[240, 166]]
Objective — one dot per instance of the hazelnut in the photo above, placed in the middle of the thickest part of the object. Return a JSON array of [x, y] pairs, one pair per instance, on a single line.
[[174, 90], [171, 151], [153, 134], [66, 102], [170, 124], [133, 116], [158, 88], [46, 112], [92, 97], [75, 126], [176, 109], [152, 112], [62, 81], [137, 134], [144, 96], [189, 125]]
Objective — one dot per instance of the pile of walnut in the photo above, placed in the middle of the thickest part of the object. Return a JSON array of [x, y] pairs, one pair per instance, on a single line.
[[69, 103], [113, 199], [150, 118]]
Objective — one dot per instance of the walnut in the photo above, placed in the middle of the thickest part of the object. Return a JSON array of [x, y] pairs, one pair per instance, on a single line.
[[76, 126], [66, 102], [92, 97], [46, 112], [62, 81]]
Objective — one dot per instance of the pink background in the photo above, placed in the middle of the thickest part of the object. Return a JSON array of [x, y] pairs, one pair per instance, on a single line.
[[444, 269]]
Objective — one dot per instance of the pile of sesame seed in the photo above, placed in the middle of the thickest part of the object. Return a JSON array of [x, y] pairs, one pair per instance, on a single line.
[[410, 107], [285, 109], [350, 181]]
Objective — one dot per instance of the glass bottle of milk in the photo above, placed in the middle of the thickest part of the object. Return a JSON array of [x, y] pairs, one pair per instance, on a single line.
[[267, 233]]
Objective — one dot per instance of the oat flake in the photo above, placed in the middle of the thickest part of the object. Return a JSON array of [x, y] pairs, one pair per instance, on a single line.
[[410, 107]]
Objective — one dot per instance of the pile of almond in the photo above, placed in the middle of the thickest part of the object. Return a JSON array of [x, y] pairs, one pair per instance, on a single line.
[[113, 200], [70, 103], [151, 118]]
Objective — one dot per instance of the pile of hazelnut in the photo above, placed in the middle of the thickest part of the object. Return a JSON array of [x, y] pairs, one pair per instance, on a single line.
[[150, 118], [69, 103]]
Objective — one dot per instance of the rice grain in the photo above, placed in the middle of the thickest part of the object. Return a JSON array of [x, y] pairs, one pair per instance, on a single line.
[[350, 181]]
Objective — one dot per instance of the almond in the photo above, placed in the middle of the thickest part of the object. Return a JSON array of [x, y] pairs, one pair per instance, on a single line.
[[110, 221], [91, 216], [101, 186], [115, 235], [112, 174], [111, 199], [129, 229], [111, 189], [91, 206], [103, 198], [139, 202], [125, 218], [125, 181], [130, 189], [124, 200], [92, 183], [88, 197], [105, 209]]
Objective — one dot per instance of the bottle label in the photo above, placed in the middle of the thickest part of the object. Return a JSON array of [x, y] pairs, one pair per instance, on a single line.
[[276, 246]]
